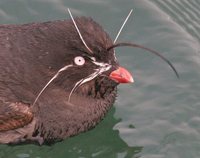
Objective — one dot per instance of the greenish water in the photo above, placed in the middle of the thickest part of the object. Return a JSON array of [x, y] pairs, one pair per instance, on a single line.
[[156, 117]]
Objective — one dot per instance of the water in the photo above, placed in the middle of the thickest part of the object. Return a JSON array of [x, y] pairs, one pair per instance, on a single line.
[[156, 117]]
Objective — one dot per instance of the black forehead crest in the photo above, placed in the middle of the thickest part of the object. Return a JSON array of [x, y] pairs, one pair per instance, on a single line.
[[93, 34]]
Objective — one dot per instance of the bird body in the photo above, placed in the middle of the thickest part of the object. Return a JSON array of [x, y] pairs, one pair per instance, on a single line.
[[76, 87]]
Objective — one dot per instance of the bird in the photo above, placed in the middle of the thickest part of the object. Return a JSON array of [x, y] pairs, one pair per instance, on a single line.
[[58, 78], [53, 84]]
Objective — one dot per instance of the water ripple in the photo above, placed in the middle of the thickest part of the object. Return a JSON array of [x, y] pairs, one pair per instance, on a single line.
[[184, 12]]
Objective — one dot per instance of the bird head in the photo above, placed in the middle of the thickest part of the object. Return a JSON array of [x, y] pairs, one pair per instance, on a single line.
[[87, 59]]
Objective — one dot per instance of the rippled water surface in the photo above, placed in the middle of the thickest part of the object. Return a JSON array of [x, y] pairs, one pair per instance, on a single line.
[[156, 117]]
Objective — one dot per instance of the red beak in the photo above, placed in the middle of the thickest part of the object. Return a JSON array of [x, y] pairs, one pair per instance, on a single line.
[[121, 75]]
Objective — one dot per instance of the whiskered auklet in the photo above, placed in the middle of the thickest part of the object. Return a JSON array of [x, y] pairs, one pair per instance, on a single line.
[[81, 81], [57, 79]]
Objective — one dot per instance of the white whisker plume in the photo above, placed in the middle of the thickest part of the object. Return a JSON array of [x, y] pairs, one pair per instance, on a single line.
[[55, 76], [81, 37], [74, 88], [123, 25], [104, 67], [82, 81]]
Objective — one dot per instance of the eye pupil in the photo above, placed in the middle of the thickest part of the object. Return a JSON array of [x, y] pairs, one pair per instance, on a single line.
[[79, 60]]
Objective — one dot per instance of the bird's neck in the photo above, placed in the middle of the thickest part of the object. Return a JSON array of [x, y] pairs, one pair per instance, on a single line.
[[99, 89], [84, 111]]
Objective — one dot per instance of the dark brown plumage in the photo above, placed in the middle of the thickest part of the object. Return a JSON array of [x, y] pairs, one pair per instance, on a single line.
[[31, 54]]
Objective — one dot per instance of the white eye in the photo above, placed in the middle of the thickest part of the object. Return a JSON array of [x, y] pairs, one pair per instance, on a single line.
[[79, 60]]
